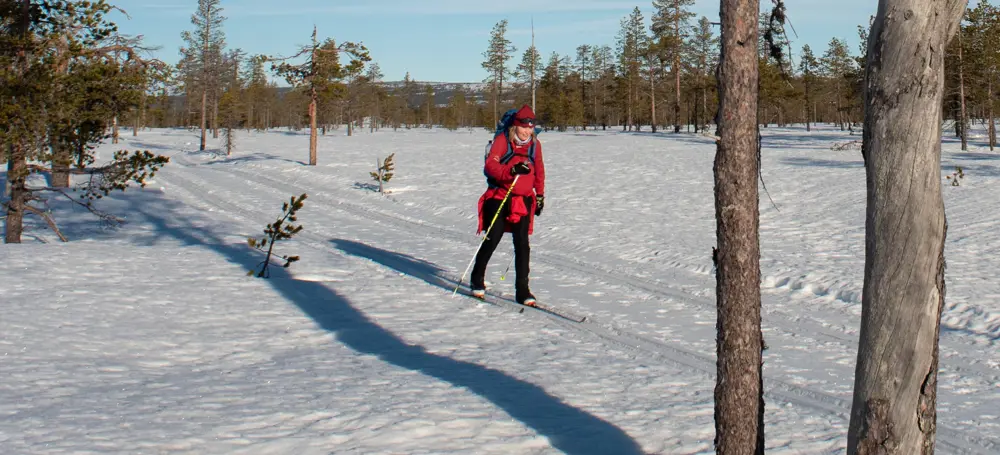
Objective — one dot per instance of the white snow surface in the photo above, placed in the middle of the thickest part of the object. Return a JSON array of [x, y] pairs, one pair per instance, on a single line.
[[150, 338]]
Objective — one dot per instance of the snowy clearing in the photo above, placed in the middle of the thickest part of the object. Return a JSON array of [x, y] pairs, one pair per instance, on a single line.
[[150, 338]]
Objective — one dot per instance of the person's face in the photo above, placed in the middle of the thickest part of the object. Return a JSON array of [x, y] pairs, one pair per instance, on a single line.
[[523, 132]]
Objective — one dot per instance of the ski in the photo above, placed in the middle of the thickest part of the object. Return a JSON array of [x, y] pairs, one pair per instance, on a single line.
[[501, 300], [553, 311]]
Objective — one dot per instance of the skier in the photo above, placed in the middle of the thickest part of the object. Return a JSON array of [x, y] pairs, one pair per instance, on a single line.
[[515, 153]]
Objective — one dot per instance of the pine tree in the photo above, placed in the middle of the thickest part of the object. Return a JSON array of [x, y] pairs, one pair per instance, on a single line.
[[409, 93], [982, 51], [255, 76], [529, 71], [458, 107], [61, 83], [551, 111], [838, 66], [500, 50], [631, 42], [585, 66], [604, 78], [374, 77], [202, 56], [808, 66], [670, 31], [320, 72], [739, 394], [428, 105], [704, 49]]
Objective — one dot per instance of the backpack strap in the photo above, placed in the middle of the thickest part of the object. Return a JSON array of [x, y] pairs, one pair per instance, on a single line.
[[507, 156]]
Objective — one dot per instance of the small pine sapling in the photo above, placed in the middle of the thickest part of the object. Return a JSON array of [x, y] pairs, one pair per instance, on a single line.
[[958, 174], [383, 171], [282, 229]]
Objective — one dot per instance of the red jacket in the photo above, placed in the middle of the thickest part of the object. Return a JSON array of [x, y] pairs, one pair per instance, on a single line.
[[530, 184]]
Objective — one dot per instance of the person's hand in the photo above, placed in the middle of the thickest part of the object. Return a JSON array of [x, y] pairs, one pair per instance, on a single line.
[[520, 169], [539, 203]]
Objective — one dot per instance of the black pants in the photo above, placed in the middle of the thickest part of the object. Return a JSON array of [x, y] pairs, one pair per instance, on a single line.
[[522, 251]]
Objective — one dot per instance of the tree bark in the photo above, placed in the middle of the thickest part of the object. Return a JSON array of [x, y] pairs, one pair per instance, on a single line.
[[61, 160], [961, 95], [895, 382], [652, 97], [215, 116], [991, 128], [17, 175], [204, 115], [312, 127], [739, 402]]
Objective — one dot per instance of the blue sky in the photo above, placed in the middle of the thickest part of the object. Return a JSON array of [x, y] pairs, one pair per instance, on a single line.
[[443, 40]]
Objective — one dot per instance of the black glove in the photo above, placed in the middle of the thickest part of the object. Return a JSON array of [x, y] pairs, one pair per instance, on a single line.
[[520, 168], [539, 203]]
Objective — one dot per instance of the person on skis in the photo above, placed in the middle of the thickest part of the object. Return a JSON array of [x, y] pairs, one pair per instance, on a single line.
[[515, 154]]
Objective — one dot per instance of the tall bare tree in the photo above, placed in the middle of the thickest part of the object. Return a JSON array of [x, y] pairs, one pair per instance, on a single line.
[[895, 382], [739, 402]]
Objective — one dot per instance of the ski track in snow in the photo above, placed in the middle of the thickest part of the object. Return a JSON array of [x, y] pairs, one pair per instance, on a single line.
[[652, 310]]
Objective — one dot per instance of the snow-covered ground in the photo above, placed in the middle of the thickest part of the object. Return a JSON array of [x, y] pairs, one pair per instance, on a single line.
[[151, 338]]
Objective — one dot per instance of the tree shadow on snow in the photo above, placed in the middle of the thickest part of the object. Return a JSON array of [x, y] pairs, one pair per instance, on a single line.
[[568, 429], [814, 162]]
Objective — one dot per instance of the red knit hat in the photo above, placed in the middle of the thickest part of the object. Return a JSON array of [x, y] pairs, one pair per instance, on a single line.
[[525, 117]]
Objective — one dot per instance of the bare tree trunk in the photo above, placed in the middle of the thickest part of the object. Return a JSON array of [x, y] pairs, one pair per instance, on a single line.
[[652, 97], [991, 127], [704, 108], [61, 160], [312, 127], [114, 129], [677, 69], [630, 102], [739, 400], [808, 125], [895, 382], [215, 116], [961, 95], [17, 175], [204, 116]]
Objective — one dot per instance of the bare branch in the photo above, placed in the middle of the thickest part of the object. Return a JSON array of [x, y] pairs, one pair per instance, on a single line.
[[48, 219]]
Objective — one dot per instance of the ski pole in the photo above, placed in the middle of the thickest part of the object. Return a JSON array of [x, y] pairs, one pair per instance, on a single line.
[[488, 230], [503, 276]]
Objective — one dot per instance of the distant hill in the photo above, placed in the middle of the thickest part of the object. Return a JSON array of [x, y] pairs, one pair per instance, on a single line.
[[443, 91]]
